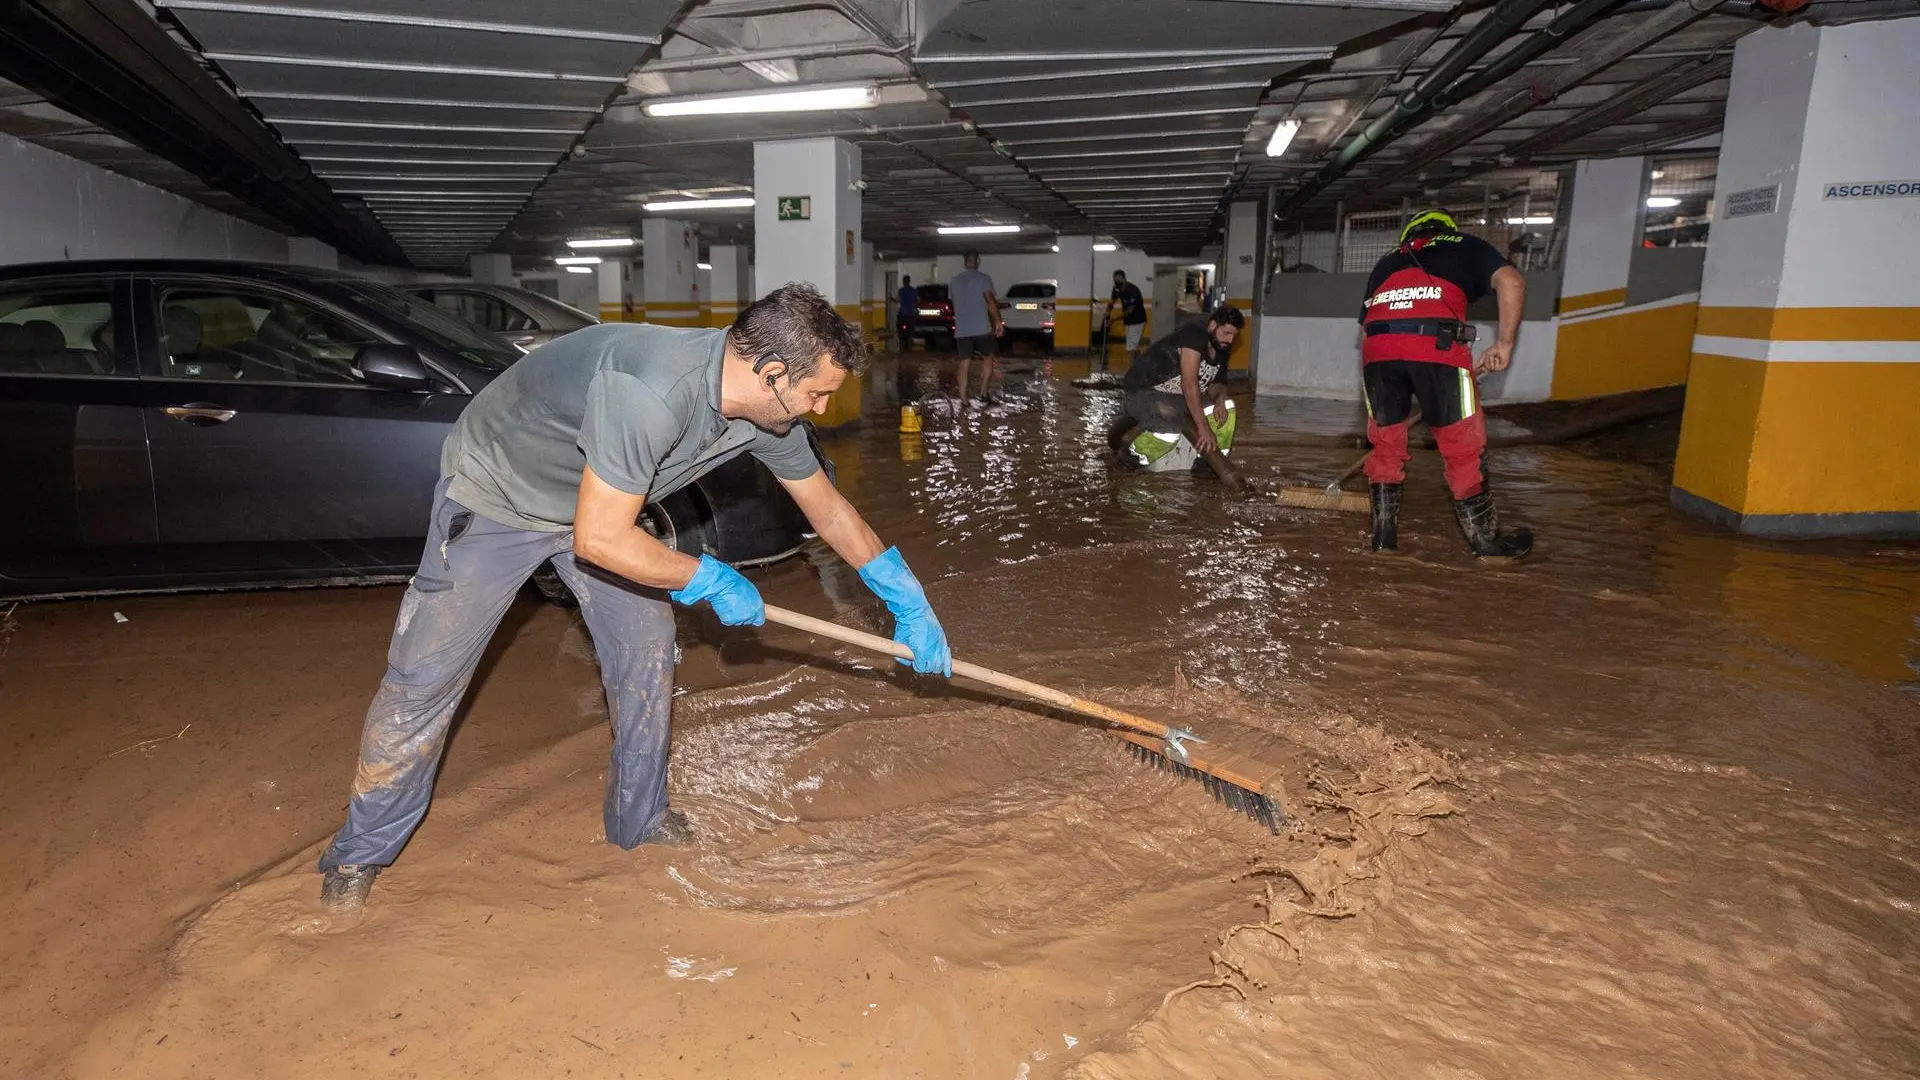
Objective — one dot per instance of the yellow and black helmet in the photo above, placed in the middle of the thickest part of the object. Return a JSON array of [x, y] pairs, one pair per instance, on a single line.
[[1428, 223]]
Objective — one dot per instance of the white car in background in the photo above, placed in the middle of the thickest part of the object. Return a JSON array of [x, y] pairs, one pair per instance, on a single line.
[[1027, 310]]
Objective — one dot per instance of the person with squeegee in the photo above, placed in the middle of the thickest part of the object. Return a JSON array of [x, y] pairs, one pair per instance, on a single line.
[[1165, 390], [554, 460], [1417, 346]]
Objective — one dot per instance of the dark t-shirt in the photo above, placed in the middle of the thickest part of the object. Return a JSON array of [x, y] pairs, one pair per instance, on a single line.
[[1133, 306], [909, 303], [1159, 369], [1432, 279]]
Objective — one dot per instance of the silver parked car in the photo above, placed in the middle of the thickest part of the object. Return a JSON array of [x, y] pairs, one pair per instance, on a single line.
[[521, 316]]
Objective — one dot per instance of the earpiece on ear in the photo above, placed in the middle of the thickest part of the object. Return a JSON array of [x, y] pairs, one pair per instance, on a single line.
[[771, 379]]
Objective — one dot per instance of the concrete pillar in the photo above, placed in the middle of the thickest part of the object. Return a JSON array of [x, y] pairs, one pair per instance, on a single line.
[[671, 248], [873, 295], [612, 297], [1239, 272], [806, 227], [491, 269], [1602, 343], [1806, 356], [1075, 302], [306, 251], [730, 285]]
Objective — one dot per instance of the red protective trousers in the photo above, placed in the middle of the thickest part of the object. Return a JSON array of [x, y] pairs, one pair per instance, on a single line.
[[1450, 402]]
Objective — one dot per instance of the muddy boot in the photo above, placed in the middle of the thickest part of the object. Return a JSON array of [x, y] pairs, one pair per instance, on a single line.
[[1481, 525], [674, 830], [344, 889], [1120, 441], [1386, 516]]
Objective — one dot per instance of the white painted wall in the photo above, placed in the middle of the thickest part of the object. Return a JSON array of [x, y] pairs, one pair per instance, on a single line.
[[1765, 127], [1320, 357], [1605, 224], [1854, 253], [54, 208]]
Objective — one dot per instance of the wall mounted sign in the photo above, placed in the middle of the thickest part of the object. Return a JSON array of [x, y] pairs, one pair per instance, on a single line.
[[1872, 189], [1760, 200]]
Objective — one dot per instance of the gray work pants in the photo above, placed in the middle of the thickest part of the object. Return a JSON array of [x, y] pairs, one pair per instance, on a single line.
[[469, 573]]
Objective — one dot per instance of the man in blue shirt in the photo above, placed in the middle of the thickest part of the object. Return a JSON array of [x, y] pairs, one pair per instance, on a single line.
[[909, 308], [976, 321]]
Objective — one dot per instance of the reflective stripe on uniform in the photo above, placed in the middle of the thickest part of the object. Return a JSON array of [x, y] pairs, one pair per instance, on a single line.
[[1468, 406]]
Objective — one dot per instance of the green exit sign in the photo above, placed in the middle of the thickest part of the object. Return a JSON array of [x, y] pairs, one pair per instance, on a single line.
[[796, 208]]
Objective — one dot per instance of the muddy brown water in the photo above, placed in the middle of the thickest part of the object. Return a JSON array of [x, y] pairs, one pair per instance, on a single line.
[[1645, 805]]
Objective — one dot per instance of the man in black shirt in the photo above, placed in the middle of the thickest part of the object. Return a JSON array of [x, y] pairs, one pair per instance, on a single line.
[[1164, 388], [1133, 310], [1416, 347]]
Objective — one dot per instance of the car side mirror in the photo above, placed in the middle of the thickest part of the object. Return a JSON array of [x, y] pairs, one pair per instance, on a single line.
[[392, 367]]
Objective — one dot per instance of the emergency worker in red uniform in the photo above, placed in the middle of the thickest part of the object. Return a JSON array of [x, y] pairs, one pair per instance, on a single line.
[[1416, 347]]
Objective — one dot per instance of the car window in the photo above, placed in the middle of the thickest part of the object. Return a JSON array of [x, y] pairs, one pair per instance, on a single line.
[[228, 334], [487, 312], [1030, 290], [423, 317], [932, 293], [56, 329]]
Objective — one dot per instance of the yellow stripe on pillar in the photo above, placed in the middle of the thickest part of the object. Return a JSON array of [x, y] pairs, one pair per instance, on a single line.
[[612, 313], [1241, 358], [1072, 323], [674, 315], [722, 313]]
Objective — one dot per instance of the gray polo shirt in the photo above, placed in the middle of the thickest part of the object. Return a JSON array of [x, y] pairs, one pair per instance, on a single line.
[[639, 403]]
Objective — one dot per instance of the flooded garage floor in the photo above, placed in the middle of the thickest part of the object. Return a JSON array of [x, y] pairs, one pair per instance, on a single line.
[[1648, 804]]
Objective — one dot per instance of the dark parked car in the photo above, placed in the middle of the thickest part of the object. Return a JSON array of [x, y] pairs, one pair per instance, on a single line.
[[933, 320], [520, 316], [182, 425]]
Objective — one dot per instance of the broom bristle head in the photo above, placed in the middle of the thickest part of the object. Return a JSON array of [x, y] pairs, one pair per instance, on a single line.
[[1319, 498]]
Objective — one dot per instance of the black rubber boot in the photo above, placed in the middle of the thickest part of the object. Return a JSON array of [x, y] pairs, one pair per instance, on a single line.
[[1480, 522], [1120, 441], [1386, 516]]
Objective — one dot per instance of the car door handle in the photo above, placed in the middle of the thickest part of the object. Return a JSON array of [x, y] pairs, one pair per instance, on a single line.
[[524, 339], [200, 415]]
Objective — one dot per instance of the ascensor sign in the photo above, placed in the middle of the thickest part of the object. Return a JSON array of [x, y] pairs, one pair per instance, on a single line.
[[1873, 189]]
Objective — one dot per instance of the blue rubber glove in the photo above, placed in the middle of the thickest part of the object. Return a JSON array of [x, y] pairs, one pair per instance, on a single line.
[[733, 597], [913, 623]]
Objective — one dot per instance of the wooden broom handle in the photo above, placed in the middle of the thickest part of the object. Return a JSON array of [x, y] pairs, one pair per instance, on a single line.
[[1059, 699]]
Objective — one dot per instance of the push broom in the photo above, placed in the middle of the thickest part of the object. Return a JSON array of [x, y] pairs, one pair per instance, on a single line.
[[1243, 784], [1331, 497]]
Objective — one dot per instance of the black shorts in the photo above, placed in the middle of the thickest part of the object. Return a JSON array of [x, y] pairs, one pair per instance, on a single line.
[[1446, 393], [975, 345]]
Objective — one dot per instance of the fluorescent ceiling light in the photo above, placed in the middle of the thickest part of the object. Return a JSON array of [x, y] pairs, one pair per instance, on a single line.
[[704, 266], [1529, 221], [613, 242], [1283, 135], [577, 260], [811, 99], [1106, 247], [744, 202], [579, 269], [1662, 202], [1056, 248], [965, 230]]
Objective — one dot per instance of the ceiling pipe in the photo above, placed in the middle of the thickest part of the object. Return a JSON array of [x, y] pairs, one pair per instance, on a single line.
[[1500, 23], [1674, 15]]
